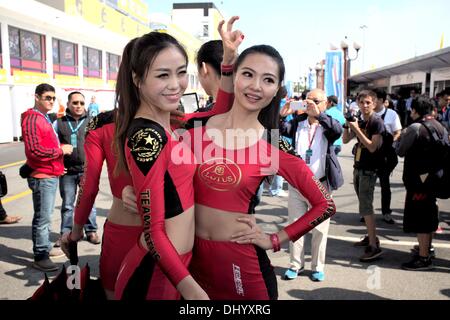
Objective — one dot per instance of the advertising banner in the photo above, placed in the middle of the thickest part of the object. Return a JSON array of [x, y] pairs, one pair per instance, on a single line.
[[312, 83], [334, 76]]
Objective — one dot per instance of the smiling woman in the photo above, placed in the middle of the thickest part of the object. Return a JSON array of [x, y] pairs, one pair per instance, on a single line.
[[230, 259], [151, 81]]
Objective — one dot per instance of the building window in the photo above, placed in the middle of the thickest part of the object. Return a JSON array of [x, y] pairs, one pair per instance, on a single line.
[[92, 63], [112, 62], [206, 30], [440, 85], [65, 58], [26, 50]]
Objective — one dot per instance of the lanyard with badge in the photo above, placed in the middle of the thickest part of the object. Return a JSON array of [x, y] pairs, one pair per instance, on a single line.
[[46, 116], [73, 135], [309, 152]]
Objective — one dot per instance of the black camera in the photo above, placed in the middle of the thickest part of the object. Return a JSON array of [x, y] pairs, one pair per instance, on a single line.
[[349, 117]]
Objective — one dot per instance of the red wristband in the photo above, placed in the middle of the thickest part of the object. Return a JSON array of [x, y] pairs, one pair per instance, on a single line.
[[226, 69], [275, 242]]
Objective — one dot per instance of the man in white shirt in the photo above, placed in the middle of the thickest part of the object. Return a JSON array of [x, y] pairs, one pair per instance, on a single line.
[[394, 127], [312, 133]]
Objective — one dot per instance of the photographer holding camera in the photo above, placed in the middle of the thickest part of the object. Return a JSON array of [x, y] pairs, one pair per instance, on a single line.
[[313, 134], [368, 131]]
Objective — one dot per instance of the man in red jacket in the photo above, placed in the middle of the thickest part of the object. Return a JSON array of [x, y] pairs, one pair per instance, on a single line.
[[45, 160]]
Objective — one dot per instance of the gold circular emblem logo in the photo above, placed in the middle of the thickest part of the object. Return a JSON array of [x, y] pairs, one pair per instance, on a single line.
[[220, 174], [146, 144]]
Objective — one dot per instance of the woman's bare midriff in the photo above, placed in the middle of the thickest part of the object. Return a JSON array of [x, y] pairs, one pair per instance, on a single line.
[[118, 215], [180, 231], [218, 225]]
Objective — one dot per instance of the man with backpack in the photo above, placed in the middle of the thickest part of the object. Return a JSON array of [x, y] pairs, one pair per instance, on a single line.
[[425, 146], [393, 127]]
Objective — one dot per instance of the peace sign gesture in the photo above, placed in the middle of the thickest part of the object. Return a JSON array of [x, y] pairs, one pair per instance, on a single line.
[[231, 39]]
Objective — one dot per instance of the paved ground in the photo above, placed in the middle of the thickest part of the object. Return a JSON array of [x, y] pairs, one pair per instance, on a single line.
[[346, 277]]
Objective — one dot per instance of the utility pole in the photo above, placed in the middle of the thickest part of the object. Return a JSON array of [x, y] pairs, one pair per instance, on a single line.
[[363, 28], [347, 61]]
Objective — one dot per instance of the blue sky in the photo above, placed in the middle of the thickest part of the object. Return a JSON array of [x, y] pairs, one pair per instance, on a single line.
[[303, 30]]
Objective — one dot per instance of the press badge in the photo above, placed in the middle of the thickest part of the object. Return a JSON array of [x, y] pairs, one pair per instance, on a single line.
[[73, 140], [308, 156]]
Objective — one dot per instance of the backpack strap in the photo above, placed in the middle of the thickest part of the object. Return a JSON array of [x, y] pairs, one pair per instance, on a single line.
[[433, 133]]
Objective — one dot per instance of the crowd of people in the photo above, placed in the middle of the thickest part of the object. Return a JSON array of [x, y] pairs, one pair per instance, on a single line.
[[185, 186]]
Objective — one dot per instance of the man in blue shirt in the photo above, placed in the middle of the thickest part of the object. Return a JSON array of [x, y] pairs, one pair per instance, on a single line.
[[336, 113], [93, 108]]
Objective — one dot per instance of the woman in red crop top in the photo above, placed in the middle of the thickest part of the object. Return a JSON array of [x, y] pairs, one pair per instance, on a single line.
[[235, 153], [152, 78], [122, 227]]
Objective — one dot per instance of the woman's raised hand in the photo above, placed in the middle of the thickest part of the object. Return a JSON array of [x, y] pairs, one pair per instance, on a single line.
[[231, 40]]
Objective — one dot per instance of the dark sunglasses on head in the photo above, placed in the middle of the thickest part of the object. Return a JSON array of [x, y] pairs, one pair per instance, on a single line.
[[78, 102], [49, 98]]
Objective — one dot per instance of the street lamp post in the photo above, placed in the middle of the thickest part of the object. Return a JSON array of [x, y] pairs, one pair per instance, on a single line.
[[320, 74], [347, 60], [363, 28]]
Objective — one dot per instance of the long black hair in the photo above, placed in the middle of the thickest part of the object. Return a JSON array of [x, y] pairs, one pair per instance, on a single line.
[[137, 57], [269, 116]]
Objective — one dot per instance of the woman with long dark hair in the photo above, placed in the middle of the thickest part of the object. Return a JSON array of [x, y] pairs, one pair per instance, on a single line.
[[122, 227], [238, 150], [152, 78]]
